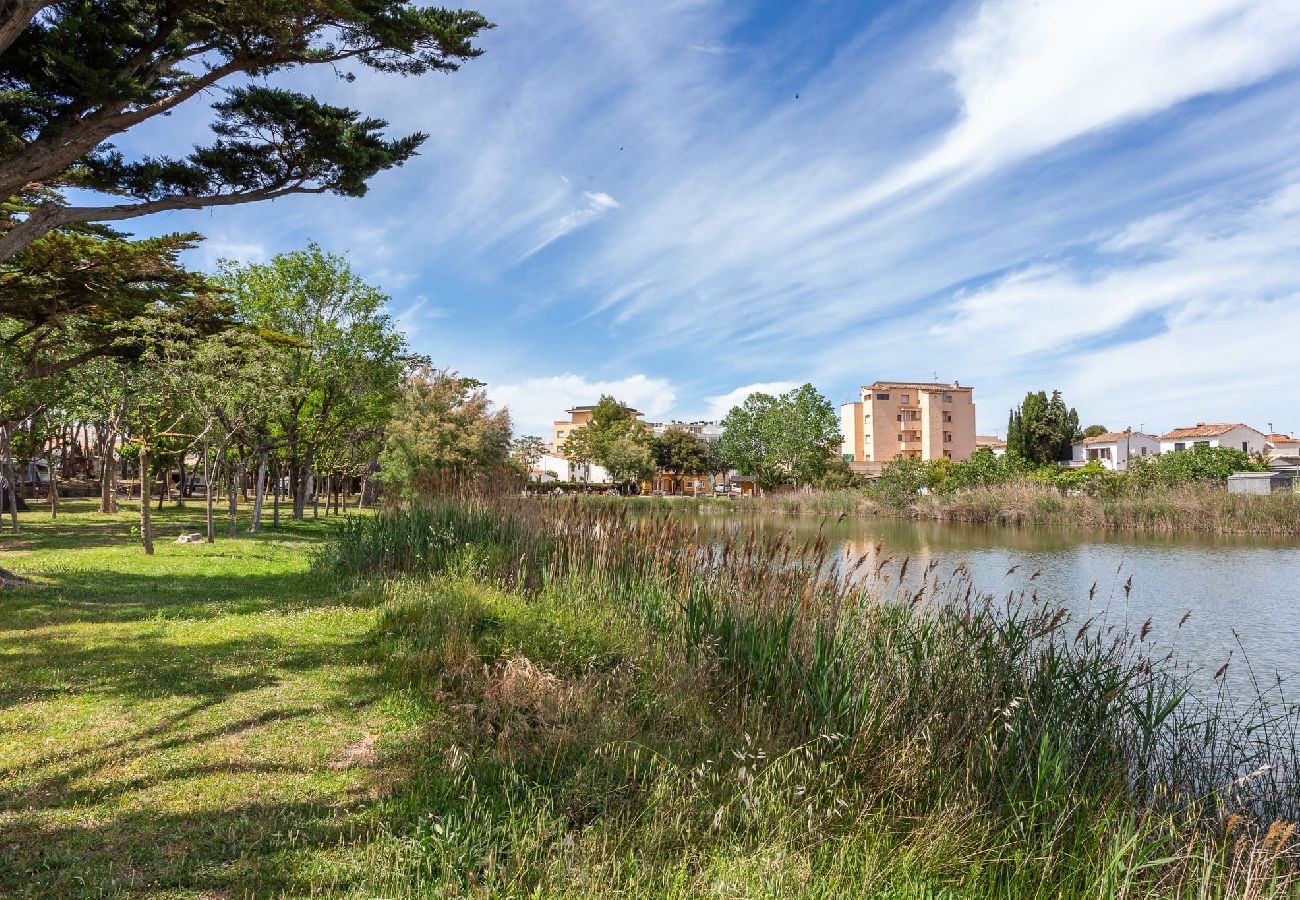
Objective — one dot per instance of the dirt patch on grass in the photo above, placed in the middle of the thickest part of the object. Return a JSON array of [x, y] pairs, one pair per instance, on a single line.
[[361, 754]]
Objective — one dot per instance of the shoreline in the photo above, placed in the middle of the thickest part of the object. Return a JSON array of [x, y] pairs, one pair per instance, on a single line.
[[1177, 511]]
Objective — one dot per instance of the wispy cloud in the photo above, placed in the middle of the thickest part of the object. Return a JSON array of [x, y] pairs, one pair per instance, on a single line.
[[593, 206], [1010, 192]]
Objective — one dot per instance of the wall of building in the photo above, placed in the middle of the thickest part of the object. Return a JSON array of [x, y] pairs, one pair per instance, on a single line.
[[851, 429], [1239, 438], [896, 419]]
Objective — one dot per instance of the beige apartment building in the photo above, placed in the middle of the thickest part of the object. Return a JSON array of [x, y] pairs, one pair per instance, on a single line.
[[906, 418], [579, 416]]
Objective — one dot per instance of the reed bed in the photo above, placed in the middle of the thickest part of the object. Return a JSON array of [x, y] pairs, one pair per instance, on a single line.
[[756, 709], [1198, 508]]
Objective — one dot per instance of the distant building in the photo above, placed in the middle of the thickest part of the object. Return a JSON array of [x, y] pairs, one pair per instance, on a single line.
[[579, 416], [921, 420], [1281, 445], [991, 442], [1114, 449], [705, 431], [1232, 434]]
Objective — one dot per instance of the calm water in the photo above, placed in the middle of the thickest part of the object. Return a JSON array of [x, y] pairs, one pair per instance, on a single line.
[[1243, 593]]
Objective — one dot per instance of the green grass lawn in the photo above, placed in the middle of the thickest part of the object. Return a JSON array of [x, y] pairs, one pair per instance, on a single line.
[[205, 722], [228, 720]]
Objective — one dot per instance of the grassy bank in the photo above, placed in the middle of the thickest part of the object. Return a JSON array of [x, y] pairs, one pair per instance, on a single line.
[[547, 699], [1196, 508], [206, 722], [619, 708]]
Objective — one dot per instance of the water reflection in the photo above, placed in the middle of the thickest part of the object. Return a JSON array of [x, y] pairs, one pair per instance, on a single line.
[[1241, 591]]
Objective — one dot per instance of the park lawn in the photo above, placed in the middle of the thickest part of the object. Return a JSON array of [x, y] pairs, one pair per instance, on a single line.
[[206, 722]]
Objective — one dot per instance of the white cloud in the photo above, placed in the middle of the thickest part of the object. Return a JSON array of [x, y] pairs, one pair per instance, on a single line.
[[721, 404], [1215, 300], [534, 403], [999, 192], [594, 205]]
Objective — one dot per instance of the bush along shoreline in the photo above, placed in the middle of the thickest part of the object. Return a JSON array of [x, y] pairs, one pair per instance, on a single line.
[[1179, 491], [622, 705]]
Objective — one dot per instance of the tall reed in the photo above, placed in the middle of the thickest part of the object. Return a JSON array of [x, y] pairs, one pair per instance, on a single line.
[[1057, 735]]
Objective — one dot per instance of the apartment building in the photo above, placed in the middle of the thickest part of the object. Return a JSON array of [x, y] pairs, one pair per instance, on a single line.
[[922, 420], [579, 416]]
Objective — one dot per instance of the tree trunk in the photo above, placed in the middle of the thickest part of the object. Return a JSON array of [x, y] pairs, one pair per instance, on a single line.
[[163, 486], [232, 501], [12, 496], [146, 488], [207, 490], [183, 492], [54, 489], [315, 496], [108, 475], [303, 487], [259, 492], [275, 495]]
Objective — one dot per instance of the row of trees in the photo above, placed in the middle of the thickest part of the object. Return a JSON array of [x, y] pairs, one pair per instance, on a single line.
[[281, 375], [788, 439], [287, 370]]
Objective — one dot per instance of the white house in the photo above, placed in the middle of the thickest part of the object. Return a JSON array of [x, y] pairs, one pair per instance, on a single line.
[[1234, 435], [558, 467], [1115, 448], [1280, 445]]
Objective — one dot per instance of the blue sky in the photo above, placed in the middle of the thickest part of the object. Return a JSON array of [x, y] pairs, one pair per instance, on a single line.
[[676, 202]]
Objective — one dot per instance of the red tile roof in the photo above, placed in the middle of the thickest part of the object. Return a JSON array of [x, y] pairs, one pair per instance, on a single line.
[[1114, 437], [1282, 439], [1202, 430]]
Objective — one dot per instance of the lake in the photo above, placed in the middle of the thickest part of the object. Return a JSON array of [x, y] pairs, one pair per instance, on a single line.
[[1243, 593]]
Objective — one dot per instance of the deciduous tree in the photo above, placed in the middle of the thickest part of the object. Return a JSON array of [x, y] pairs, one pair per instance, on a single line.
[[444, 431]]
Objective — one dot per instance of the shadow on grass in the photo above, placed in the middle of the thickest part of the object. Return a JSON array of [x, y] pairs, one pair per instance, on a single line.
[[239, 851], [98, 596]]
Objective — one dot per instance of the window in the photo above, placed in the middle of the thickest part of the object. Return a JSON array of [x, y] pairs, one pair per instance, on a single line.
[[947, 417], [948, 454], [904, 397], [947, 437], [1179, 445], [1245, 445], [882, 396], [947, 398], [900, 417]]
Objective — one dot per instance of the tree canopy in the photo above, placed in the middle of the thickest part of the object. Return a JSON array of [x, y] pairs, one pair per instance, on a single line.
[[76, 74], [341, 357], [444, 431], [789, 438], [1042, 429], [682, 453], [615, 440]]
